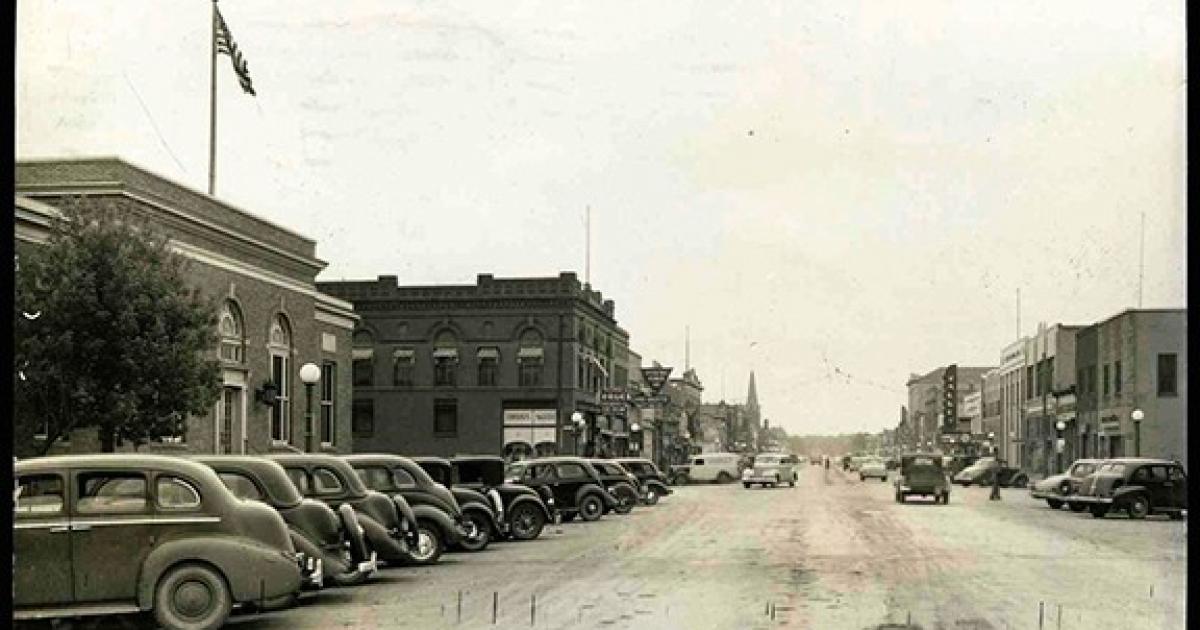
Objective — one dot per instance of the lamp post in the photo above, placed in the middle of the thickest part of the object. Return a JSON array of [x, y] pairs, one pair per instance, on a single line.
[[992, 442], [1059, 426], [995, 495], [1137, 415], [577, 421], [635, 437], [309, 375]]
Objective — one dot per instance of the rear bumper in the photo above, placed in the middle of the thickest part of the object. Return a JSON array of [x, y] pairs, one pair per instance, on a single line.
[[1079, 498], [1048, 494]]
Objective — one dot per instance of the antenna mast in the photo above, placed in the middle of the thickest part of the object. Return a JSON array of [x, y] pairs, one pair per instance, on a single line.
[[1142, 259], [587, 269]]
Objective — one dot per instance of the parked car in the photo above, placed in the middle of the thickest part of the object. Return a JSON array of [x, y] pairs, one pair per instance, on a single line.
[[576, 485], [922, 474], [653, 483], [771, 469], [1138, 486], [521, 511], [334, 540], [708, 467], [983, 471], [619, 482], [478, 511], [389, 524], [1056, 488], [873, 468], [440, 522], [112, 534]]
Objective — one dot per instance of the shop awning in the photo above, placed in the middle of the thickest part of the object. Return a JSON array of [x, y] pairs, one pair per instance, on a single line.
[[445, 353], [489, 353]]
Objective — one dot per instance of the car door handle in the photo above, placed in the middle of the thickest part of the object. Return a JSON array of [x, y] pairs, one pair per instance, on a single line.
[[81, 528], [60, 529]]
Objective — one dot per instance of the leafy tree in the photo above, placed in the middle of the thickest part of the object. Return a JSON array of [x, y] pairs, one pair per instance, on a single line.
[[108, 335]]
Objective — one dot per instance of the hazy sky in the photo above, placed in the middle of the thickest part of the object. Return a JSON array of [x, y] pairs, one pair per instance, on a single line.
[[808, 185]]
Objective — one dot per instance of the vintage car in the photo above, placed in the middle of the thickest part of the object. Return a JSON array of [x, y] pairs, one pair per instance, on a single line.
[[389, 523], [653, 483], [620, 483], [984, 471], [440, 523], [575, 484], [874, 468], [771, 469], [478, 511], [333, 538], [1138, 486], [521, 511], [113, 534], [1056, 488], [707, 467], [922, 474]]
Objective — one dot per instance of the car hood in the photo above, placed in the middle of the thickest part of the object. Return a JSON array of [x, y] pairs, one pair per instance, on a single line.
[[1051, 482]]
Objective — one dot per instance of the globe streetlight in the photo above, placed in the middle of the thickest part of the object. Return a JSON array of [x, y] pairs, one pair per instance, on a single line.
[[1137, 415], [635, 432], [577, 421], [1059, 442], [309, 375]]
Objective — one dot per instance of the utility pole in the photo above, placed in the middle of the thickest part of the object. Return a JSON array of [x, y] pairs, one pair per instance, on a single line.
[[587, 265], [1142, 259]]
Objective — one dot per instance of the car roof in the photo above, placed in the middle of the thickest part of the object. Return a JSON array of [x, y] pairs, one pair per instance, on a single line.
[[1137, 460], [113, 461], [271, 473]]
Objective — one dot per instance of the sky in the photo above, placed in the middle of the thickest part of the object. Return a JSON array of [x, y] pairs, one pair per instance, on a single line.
[[812, 189]]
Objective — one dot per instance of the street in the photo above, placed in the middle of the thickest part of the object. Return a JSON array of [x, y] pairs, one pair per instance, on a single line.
[[826, 554]]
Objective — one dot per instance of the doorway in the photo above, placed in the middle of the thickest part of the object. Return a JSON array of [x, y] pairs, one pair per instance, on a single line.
[[229, 420]]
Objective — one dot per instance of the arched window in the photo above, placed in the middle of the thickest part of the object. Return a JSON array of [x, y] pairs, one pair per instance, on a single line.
[[279, 345], [231, 329]]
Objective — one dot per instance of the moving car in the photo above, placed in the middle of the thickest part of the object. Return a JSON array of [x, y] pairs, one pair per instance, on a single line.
[[440, 522], [653, 483], [984, 470], [575, 484], [521, 511], [771, 469], [874, 468], [113, 534], [1056, 488], [619, 482], [388, 522], [1138, 486], [334, 540], [922, 474], [478, 511], [708, 467]]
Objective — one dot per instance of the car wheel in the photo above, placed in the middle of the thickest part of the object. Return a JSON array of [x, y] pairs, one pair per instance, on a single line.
[[1138, 507], [1054, 503], [899, 498], [1176, 515], [1077, 507], [591, 508], [946, 499], [479, 532], [862, 478], [651, 496], [526, 522], [746, 485], [1019, 481], [625, 501], [1098, 511], [681, 479], [791, 484], [192, 597], [883, 479], [429, 544], [724, 477]]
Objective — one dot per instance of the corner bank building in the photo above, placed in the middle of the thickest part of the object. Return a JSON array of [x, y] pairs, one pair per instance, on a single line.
[[498, 367]]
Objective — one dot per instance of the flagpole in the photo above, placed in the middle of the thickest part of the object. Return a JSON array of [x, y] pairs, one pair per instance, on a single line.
[[212, 107]]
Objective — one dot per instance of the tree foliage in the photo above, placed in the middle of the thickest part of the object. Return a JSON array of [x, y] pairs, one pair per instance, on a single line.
[[108, 335]]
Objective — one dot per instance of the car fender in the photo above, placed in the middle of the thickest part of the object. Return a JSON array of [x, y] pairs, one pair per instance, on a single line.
[[388, 548], [251, 570], [482, 508], [522, 499], [1123, 493], [628, 487], [589, 488], [424, 511], [658, 486]]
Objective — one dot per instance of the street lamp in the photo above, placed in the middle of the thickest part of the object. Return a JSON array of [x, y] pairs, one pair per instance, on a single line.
[[577, 421], [1060, 426], [309, 375], [992, 442], [635, 434], [1137, 415]]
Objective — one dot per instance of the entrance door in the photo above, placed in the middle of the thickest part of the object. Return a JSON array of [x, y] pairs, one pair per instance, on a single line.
[[229, 422]]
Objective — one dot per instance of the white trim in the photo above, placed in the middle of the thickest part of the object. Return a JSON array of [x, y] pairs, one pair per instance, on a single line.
[[362, 353], [157, 520], [231, 264], [335, 320]]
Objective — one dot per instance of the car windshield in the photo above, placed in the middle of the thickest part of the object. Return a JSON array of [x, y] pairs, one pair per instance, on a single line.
[[1112, 468], [767, 460], [1082, 470]]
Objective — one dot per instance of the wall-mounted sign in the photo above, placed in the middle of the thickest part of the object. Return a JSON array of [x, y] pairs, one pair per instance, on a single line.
[[656, 376]]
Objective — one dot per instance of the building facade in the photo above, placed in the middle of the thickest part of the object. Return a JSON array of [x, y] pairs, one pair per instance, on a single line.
[[1134, 360], [272, 319], [929, 428], [1049, 398], [498, 367]]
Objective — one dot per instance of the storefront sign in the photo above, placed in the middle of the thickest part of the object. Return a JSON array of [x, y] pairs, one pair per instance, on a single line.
[[656, 376]]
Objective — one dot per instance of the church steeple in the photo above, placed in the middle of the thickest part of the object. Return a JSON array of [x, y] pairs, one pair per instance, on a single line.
[[752, 398]]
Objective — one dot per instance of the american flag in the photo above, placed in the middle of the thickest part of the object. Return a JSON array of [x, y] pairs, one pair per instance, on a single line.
[[226, 45]]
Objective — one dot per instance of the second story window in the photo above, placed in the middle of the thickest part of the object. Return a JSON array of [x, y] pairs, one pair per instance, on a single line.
[[1106, 381], [363, 367], [445, 359], [328, 402], [1117, 378], [530, 359], [489, 366], [403, 366], [231, 329], [1168, 378]]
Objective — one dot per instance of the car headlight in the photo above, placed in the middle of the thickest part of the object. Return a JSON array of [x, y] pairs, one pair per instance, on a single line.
[[404, 526], [550, 501]]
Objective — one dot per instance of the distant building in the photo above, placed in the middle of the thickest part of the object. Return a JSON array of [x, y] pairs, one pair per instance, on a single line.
[[930, 429], [1136, 359], [1049, 377], [272, 318], [499, 366]]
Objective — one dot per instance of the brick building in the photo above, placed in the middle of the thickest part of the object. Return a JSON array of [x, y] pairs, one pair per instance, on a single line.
[[928, 428], [499, 366], [1049, 397], [272, 319]]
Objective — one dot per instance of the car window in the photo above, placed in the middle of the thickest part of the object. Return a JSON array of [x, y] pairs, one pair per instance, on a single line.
[[1157, 473], [1116, 469], [1082, 470], [1141, 474], [111, 493], [697, 462], [570, 471], [173, 493], [325, 481], [40, 494], [1175, 473], [403, 478], [241, 486], [299, 478], [541, 472], [375, 477]]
